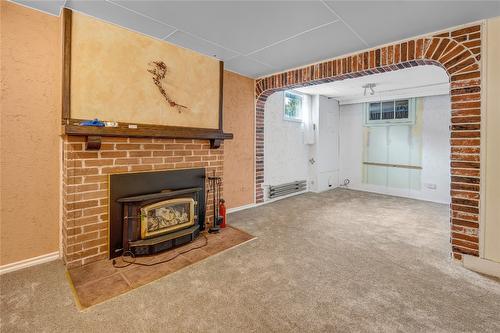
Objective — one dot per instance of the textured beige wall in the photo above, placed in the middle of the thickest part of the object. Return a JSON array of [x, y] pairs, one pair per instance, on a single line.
[[492, 180], [30, 124], [239, 117], [110, 78]]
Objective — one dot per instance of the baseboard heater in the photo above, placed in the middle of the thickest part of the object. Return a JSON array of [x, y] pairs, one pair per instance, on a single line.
[[288, 188]]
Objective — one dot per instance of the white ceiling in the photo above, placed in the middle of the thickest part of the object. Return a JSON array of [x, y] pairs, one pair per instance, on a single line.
[[257, 38], [408, 82]]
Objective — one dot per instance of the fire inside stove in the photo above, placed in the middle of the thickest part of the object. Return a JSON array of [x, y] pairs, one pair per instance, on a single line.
[[166, 216]]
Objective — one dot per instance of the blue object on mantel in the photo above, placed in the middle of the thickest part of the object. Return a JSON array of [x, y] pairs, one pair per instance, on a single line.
[[96, 122]]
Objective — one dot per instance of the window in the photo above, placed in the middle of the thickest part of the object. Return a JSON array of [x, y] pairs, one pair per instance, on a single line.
[[293, 107], [392, 144], [386, 112]]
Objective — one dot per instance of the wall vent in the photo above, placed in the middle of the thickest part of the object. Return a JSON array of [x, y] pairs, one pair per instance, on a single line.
[[288, 188]]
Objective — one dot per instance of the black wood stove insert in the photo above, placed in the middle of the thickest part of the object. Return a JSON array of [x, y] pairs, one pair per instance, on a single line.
[[154, 211]]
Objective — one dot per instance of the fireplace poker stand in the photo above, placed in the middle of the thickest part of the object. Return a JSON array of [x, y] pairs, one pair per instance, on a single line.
[[214, 184]]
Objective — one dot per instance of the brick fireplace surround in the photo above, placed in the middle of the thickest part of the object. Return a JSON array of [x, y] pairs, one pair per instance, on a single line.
[[85, 184], [459, 53]]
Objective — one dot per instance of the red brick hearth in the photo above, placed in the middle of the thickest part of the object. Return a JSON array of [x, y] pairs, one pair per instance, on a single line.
[[85, 184], [459, 53]]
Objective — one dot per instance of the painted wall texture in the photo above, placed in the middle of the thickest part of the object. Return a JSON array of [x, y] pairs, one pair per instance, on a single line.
[[492, 181], [30, 125], [239, 153]]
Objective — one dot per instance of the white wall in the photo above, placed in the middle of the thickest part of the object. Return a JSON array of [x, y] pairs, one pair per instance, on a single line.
[[435, 150], [285, 154], [324, 173]]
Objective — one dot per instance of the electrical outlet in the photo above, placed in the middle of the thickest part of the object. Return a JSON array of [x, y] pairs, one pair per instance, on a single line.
[[430, 186]]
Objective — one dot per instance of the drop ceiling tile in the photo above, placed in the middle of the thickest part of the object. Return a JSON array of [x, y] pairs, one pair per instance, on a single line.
[[380, 22], [242, 26], [323, 43], [50, 6], [248, 67], [120, 16], [200, 45]]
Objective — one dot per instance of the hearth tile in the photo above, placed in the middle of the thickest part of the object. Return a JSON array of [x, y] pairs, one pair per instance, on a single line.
[[215, 247], [100, 281], [101, 290], [196, 255], [90, 272], [170, 265], [239, 237], [197, 243], [141, 275], [178, 263]]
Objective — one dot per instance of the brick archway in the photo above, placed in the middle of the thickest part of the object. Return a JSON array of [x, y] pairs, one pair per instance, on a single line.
[[459, 53]]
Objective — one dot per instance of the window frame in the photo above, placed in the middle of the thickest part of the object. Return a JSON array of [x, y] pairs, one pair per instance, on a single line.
[[299, 119], [385, 122]]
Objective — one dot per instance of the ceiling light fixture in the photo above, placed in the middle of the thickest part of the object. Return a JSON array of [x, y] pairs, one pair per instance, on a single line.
[[369, 86]]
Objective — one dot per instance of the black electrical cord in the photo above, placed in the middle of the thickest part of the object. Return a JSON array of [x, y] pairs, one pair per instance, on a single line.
[[134, 262]]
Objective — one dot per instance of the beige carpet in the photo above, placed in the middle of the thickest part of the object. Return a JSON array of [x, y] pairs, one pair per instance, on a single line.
[[332, 262]]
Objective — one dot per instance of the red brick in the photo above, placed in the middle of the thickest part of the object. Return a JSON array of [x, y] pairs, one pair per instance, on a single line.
[[98, 162], [94, 211], [115, 169], [140, 140], [126, 161], [465, 31], [465, 150], [80, 188], [95, 179], [163, 153], [141, 167], [113, 154], [465, 172], [174, 159], [107, 146], [183, 153], [81, 155], [139, 153], [465, 97], [465, 134], [466, 112], [153, 146], [128, 146], [81, 204], [164, 166], [183, 165]]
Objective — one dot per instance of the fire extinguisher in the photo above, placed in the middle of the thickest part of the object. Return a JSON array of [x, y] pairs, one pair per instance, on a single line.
[[222, 213]]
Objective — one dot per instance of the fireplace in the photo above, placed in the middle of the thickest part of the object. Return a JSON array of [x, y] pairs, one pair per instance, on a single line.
[[155, 222], [166, 216], [154, 211]]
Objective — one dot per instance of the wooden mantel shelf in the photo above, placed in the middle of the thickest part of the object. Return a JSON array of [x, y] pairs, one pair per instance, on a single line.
[[93, 134], [171, 133]]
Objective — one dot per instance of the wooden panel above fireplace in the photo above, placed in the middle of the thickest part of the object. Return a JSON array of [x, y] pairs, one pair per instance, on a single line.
[[93, 135]]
